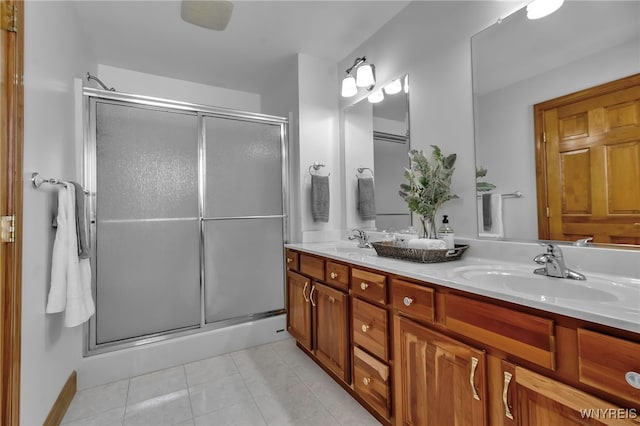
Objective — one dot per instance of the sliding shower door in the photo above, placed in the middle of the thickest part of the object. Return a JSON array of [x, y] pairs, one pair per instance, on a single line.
[[188, 217], [147, 228], [243, 218]]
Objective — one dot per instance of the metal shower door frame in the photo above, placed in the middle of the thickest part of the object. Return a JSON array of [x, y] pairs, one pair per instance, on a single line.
[[89, 174]]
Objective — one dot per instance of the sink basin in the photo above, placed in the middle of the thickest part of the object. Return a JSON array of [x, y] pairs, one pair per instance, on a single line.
[[523, 281]]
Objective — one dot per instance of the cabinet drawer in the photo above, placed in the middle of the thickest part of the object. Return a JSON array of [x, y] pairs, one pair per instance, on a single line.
[[312, 266], [369, 285], [523, 335], [337, 275], [371, 381], [603, 362], [370, 328], [292, 260], [414, 300]]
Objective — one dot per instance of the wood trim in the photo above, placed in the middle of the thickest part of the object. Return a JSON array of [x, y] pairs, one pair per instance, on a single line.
[[11, 147], [60, 407]]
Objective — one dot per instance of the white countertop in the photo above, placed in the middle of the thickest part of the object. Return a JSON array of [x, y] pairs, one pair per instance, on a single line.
[[620, 308]]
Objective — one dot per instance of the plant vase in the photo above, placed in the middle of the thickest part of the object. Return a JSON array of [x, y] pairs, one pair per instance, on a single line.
[[429, 226]]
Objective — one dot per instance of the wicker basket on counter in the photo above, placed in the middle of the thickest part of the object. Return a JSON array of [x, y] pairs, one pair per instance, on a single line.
[[401, 251]]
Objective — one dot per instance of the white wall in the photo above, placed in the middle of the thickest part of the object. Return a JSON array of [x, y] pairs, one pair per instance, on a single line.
[[138, 83], [431, 41], [505, 128], [54, 55], [319, 142]]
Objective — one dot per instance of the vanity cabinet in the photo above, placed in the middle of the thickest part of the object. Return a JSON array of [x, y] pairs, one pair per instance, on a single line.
[[423, 354], [531, 399], [317, 313], [439, 380]]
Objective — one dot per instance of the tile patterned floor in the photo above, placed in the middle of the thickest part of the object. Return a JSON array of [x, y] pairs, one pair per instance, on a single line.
[[274, 384]]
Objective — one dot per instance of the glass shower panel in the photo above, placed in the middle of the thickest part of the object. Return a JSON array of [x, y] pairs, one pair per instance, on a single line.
[[243, 267], [243, 168], [147, 251]]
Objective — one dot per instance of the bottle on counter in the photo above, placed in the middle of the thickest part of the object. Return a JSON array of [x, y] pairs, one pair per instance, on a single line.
[[446, 233]]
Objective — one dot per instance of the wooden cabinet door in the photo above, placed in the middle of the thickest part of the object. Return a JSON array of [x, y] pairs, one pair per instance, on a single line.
[[331, 314], [439, 381], [542, 401], [299, 308]]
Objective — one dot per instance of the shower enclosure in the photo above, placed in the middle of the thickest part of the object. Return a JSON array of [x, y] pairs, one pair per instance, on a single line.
[[188, 212]]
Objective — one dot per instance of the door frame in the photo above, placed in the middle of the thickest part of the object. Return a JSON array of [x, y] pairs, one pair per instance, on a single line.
[[11, 149]]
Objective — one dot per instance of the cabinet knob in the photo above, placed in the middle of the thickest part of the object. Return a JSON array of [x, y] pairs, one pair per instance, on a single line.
[[289, 260], [407, 301], [364, 285], [333, 275], [633, 378], [365, 327], [366, 381]]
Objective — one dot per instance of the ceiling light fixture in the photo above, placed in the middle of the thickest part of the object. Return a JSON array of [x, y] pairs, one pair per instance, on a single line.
[[365, 77], [210, 14], [540, 8]]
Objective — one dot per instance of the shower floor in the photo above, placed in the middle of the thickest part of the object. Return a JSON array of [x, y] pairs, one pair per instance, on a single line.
[[272, 384]]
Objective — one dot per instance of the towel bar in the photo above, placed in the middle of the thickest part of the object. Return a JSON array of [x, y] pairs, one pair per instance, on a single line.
[[316, 166], [37, 181], [515, 194], [362, 169]]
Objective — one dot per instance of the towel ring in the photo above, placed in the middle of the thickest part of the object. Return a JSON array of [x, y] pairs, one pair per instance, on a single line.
[[361, 170], [316, 166]]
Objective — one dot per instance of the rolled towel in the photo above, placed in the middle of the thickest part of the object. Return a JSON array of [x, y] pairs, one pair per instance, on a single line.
[[427, 244], [81, 223], [320, 198], [366, 199]]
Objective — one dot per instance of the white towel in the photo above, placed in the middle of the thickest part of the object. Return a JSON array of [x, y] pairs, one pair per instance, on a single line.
[[70, 276], [497, 228], [427, 244]]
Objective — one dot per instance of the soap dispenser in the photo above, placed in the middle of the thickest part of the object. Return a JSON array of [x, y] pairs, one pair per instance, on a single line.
[[446, 233]]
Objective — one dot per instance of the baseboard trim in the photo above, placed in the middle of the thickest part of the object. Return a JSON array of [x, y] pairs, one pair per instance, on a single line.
[[61, 405]]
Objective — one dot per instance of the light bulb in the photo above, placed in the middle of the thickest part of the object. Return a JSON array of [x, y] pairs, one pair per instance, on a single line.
[[540, 8], [364, 77], [376, 97], [349, 88], [394, 87]]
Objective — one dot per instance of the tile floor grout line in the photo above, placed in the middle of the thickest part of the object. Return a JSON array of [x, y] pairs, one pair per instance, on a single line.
[[126, 401], [253, 398], [186, 380]]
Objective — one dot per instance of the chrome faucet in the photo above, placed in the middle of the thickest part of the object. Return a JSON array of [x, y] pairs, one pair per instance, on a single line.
[[362, 237], [554, 265]]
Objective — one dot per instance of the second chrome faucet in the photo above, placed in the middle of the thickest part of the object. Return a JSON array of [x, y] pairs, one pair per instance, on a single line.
[[554, 265]]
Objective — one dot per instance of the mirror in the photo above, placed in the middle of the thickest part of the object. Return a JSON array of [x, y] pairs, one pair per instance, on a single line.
[[518, 63], [376, 144]]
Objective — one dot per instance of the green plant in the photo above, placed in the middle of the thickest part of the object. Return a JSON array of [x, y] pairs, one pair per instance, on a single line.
[[483, 186], [429, 185]]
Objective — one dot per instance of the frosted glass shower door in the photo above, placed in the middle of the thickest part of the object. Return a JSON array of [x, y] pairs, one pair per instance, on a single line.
[[243, 218], [147, 265]]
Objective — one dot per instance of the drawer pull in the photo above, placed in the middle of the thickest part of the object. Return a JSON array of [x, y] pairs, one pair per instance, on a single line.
[[474, 365], [365, 327], [289, 260], [636, 225], [304, 291], [407, 301], [633, 379], [313, 288], [366, 381], [364, 285], [333, 275], [505, 391]]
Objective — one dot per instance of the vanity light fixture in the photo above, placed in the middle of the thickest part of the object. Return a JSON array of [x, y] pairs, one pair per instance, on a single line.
[[376, 97], [394, 87], [210, 14], [540, 8], [406, 83], [365, 77]]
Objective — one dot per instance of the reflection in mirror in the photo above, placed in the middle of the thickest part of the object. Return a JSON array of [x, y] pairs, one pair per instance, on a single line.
[[376, 141], [519, 63]]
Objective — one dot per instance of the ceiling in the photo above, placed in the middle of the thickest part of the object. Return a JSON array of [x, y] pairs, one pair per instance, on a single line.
[[150, 37]]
